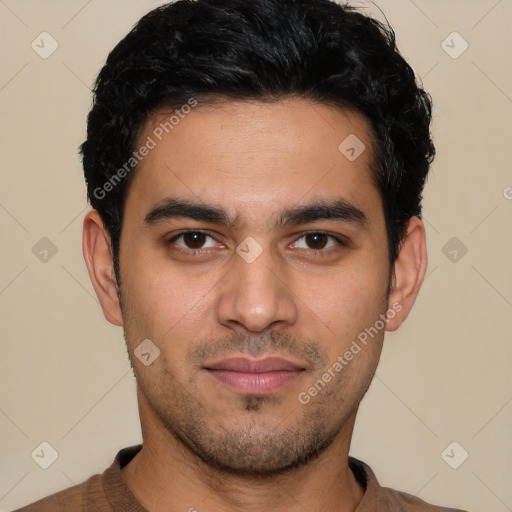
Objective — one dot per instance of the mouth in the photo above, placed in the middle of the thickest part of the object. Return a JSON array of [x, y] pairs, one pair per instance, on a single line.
[[255, 376]]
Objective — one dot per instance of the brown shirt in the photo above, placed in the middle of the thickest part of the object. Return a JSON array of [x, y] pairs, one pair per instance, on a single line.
[[109, 493]]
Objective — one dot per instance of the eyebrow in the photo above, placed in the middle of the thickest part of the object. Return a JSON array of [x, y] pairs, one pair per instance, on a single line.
[[335, 210]]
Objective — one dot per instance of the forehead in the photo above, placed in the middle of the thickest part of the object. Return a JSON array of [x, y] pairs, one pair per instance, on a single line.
[[255, 158]]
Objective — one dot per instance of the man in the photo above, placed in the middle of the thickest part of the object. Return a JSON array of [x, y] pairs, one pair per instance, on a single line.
[[255, 171]]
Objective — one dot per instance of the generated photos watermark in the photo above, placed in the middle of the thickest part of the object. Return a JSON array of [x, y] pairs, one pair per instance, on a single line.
[[304, 397], [151, 142]]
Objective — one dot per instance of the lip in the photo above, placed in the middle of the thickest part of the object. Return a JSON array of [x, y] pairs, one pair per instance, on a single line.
[[255, 376]]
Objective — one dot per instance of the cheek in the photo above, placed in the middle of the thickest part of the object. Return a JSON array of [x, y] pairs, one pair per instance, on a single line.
[[346, 299], [166, 305], [156, 311]]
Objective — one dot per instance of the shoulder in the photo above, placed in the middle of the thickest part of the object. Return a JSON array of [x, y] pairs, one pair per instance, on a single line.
[[72, 499], [99, 493], [385, 499], [397, 500]]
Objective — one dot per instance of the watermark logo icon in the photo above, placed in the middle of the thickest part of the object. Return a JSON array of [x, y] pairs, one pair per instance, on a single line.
[[352, 147], [454, 45], [44, 455], [454, 455], [249, 249], [44, 45], [147, 352], [454, 249], [44, 250]]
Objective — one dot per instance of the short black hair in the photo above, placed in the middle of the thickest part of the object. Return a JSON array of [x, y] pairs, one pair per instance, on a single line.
[[264, 50]]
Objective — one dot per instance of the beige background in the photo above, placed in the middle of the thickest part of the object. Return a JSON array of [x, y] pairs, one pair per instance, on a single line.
[[444, 376]]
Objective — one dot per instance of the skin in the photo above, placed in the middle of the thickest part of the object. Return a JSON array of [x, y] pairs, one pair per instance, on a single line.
[[205, 445]]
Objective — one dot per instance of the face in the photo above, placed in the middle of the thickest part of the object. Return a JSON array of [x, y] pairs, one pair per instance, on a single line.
[[253, 256]]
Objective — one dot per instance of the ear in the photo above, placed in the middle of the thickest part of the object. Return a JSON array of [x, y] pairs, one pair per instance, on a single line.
[[408, 273], [97, 251]]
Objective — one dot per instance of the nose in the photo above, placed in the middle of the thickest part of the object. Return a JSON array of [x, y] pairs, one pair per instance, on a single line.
[[256, 297]]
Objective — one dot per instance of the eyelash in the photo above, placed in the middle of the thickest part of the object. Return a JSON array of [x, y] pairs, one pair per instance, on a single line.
[[199, 252]]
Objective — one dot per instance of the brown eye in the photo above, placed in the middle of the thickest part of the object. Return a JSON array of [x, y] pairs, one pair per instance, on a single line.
[[316, 240], [194, 239]]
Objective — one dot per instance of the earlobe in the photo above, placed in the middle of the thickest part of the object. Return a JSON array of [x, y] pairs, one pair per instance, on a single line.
[[409, 272], [97, 252]]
